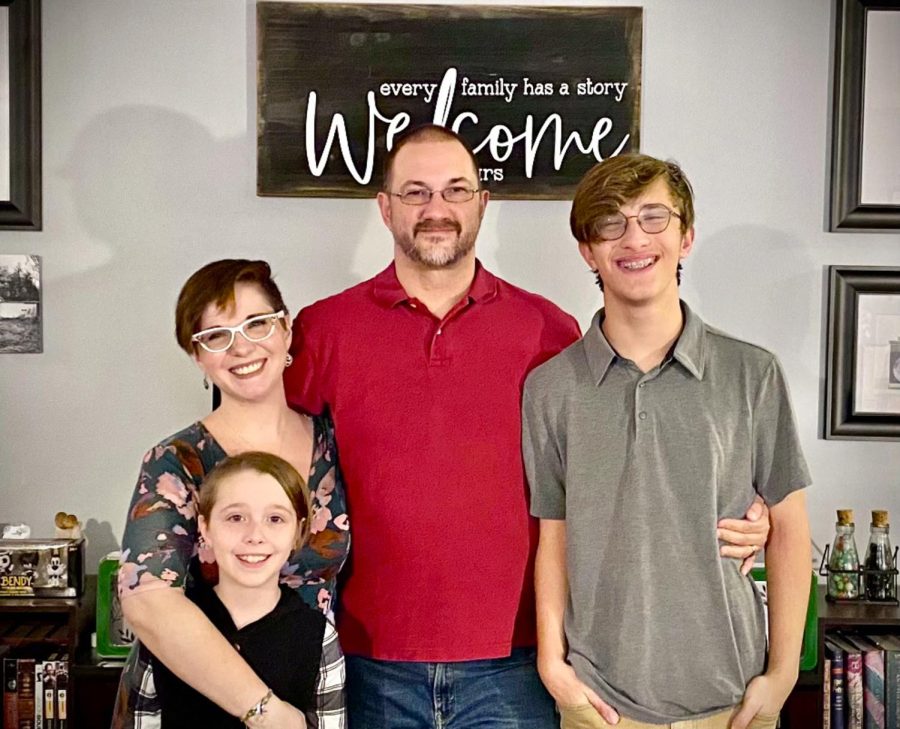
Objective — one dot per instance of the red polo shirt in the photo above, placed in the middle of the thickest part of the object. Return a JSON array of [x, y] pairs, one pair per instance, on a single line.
[[428, 425]]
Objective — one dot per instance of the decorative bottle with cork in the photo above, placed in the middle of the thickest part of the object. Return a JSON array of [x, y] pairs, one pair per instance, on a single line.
[[881, 584], [843, 575]]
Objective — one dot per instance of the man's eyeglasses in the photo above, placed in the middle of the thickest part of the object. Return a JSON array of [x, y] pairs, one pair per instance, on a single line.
[[422, 195], [652, 218], [254, 329]]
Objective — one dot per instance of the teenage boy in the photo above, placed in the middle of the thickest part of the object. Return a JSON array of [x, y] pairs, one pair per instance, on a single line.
[[653, 412]]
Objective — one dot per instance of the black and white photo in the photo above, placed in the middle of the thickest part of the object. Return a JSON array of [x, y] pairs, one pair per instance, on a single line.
[[21, 330]]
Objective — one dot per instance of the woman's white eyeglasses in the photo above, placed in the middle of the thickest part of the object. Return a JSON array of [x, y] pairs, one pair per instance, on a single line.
[[254, 329]]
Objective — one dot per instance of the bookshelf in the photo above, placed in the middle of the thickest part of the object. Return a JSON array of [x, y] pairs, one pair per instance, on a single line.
[[803, 709], [62, 624]]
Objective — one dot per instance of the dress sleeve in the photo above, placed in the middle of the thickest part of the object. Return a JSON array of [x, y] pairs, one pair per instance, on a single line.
[[330, 700], [161, 527]]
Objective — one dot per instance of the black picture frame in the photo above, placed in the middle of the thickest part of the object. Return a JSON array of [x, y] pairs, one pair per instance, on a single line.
[[22, 211], [848, 212], [843, 420]]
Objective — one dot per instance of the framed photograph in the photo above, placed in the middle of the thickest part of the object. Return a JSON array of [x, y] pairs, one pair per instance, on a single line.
[[20, 115], [21, 319], [865, 146], [862, 379]]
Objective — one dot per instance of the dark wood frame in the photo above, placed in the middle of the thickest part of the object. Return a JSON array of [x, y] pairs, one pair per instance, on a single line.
[[23, 210], [847, 211], [845, 284]]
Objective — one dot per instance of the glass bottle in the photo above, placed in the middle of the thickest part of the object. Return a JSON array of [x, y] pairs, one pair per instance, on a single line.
[[880, 585], [843, 575]]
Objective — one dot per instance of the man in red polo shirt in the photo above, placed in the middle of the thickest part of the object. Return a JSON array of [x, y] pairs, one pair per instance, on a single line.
[[422, 368]]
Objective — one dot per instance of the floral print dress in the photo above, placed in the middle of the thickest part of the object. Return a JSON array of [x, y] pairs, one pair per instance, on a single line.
[[161, 540]]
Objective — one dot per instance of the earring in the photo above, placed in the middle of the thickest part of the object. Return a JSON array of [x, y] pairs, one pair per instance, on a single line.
[[205, 383], [202, 543], [288, 361]]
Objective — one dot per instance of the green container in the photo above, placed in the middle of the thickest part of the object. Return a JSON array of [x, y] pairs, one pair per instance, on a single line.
[[114, 637], [809, 650]]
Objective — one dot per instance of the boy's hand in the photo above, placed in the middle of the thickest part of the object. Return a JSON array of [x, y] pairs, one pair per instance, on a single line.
[[745, 537], [765, 695], [567, 689]]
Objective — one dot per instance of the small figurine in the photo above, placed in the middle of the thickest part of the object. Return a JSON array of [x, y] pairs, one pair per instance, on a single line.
[[28, 561], [56, 570]]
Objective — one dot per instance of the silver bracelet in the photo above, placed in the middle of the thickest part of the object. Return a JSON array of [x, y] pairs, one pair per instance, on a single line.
[[258, 709]]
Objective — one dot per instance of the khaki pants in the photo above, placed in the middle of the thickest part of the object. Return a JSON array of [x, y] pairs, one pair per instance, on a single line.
[[586, 717]]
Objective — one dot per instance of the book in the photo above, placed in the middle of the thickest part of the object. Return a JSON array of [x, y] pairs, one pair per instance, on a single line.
[[853, 681], [62, 687], [891, 647], [873, 682], [50, 671], [25, 692], [10, 693], [39, 694], [835, 656], [826, 694]]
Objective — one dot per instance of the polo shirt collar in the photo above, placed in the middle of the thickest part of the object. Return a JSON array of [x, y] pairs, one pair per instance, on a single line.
[[600, 355], [689, 349], [389, 292]]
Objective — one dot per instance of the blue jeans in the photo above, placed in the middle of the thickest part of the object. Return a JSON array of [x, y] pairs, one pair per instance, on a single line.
[[499, 693]]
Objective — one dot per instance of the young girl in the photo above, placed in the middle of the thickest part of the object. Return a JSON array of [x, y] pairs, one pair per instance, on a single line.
[[253, 512]]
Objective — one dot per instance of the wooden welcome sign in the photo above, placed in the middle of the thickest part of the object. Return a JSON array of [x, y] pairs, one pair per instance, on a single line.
[[541, 94]]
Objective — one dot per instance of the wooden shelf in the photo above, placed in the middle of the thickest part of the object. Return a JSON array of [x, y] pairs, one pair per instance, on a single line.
[[804, 707], [63, 624]]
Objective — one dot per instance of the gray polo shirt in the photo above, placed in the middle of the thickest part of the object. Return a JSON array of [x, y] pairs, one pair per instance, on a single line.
[[641, 466]]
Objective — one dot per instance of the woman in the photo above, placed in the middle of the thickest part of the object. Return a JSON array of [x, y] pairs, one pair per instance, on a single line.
[[232, 321]]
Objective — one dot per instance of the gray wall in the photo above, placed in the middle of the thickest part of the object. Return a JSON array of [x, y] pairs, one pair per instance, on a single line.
[[149, 172]]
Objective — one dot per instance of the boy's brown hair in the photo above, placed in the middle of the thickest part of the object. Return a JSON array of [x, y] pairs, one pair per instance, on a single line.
[[270, 465], [610, 184]]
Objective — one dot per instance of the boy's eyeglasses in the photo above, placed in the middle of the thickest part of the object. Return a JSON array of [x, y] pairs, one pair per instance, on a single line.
[[652, 218], [254, 329]]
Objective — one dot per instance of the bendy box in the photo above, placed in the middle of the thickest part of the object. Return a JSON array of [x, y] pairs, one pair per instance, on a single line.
[[41, 567]]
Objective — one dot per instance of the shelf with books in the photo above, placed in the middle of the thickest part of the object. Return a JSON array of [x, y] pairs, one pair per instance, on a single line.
[[804, 708], [39, 637], [859, 670]]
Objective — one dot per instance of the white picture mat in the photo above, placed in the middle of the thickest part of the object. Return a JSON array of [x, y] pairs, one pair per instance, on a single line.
[[880, 178], [877, 324]]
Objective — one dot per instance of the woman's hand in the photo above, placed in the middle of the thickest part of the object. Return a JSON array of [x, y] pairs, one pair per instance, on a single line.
[[278, 715]]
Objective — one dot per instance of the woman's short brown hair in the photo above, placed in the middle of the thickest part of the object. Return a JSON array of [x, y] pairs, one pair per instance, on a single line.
[[214, 284], [610, 184], [267, 464]]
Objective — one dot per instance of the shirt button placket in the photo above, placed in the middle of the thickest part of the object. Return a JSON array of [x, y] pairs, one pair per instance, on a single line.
[[438, 348], [638, 405]]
